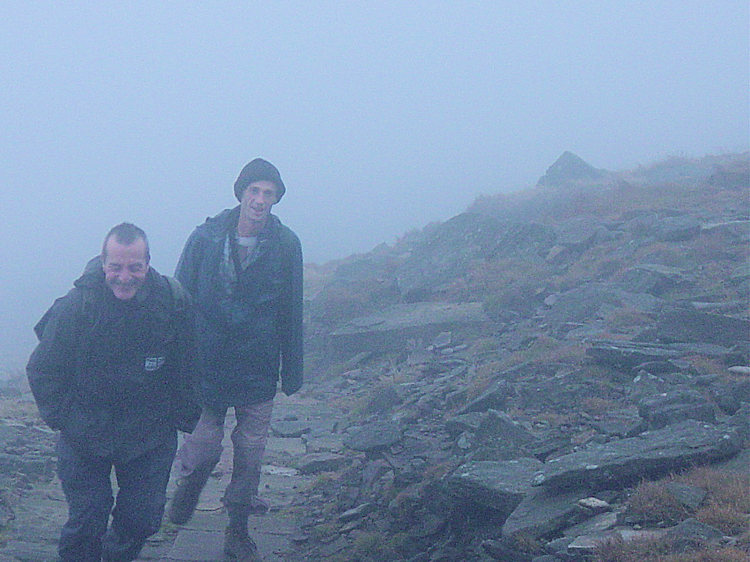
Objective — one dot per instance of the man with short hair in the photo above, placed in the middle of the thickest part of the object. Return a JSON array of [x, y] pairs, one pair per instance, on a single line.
[[113, 371], [244, 271]]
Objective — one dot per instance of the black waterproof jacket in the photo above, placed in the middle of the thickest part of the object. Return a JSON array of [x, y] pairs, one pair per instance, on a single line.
[[116, 377], [250, 337]]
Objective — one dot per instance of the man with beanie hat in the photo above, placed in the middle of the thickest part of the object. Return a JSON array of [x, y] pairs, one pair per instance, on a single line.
[[243, 268]]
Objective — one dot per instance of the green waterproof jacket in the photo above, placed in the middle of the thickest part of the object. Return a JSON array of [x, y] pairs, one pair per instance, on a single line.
[[251, 335]]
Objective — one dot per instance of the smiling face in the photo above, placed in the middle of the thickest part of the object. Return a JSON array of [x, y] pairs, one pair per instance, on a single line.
[[125, 266], [255, 206]]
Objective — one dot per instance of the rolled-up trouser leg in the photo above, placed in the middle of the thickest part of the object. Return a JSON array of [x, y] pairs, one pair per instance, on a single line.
[[88, 491], [195, 460], [249, 440], [140, 502], [202, 447]]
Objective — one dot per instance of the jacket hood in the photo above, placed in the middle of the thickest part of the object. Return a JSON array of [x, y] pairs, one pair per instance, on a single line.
[[92, 276]]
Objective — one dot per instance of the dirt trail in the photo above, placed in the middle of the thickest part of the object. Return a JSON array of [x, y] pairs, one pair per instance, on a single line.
[[41, 510]]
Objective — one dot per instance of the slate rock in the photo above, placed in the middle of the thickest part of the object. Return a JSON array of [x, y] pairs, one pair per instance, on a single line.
[[498, 485], [580, 232], [383, 399], [501, 550], [393, 327], [686, 495], [585, 545], [571, 170], [500, 426], [357, 512], [664, 226], [741, 420], [628, 354], [645, 385], [289, 428], [730, 395], [649, 455], [675, 406], [624, 422], [543, 512], [685, 325], [320, 462], [596, 524], [464, 422], [739, 464], [691, 533], [582, 303], [495, 397], [653, 279], [676, 229], [373, 437]]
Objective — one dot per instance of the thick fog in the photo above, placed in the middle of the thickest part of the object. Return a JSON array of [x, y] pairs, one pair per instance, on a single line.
[[381, 116]]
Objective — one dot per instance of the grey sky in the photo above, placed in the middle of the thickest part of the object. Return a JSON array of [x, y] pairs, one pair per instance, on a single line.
[[381, 116]]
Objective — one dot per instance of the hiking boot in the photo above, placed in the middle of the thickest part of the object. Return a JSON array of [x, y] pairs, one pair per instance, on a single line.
[[186, 496], [239, 546]]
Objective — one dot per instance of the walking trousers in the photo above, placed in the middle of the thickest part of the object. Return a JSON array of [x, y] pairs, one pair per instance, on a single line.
[[203, 447], [138, 511]]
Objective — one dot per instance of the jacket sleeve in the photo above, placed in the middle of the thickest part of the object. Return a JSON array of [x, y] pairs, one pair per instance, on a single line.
[[188, 265], [291, 334], [187, 409], [51, 367]]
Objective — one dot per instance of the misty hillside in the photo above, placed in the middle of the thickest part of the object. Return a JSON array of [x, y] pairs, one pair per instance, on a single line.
[[557, 374], [543, 351], [579, 223]]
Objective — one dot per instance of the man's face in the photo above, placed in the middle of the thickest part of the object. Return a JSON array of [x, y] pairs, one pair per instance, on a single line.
[[257, 200], [125, 267]]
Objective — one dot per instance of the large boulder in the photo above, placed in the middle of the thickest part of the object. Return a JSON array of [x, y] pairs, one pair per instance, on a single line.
[[686, 325], [675, 406], [570, 170], [391, 329], [590, 300], [498, 485], [628, 354], [373, 437], [543, 512], [649, 455]]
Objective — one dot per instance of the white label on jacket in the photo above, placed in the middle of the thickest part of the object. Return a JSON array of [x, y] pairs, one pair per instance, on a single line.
[[153, 363]]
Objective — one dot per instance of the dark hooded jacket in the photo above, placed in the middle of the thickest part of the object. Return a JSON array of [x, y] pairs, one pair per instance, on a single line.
[[247, 338], [116, 377]]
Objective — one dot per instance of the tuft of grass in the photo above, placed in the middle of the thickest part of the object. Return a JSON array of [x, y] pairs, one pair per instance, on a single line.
[[596, 406], [660, 550], [637, 550], [652, 502], [727, 518], [727, 506], [369, 547]]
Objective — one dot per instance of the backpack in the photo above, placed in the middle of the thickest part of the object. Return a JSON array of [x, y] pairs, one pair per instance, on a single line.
[[179, 303]]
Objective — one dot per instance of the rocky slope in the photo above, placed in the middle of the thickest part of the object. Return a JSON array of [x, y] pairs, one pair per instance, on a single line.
[[512, 375], [508, 383]]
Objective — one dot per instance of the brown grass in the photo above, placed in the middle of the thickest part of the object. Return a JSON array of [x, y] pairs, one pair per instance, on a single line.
[[652, 502], [595, 406], [658, 550], [726, 507], [728, 504]]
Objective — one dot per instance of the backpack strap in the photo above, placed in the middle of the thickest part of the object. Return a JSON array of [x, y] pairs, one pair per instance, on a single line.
[[180, 296]]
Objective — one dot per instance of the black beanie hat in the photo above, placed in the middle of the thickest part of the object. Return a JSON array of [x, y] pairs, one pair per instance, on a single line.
[[258, 170]]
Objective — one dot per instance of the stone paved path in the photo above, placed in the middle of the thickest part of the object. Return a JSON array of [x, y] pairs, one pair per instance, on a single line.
[[41, 510]]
